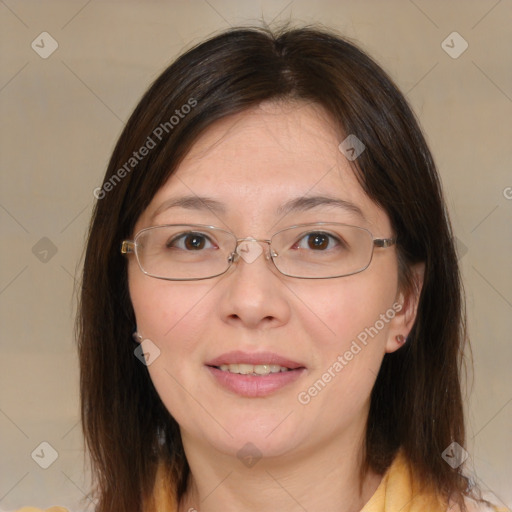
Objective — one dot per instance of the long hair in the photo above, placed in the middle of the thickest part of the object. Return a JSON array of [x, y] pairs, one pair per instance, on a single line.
[[416, 402]]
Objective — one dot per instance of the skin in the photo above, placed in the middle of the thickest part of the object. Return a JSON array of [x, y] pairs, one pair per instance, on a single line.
[[311, 454]]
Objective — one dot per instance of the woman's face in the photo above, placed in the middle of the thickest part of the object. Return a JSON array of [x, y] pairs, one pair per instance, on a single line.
[[331, 333]]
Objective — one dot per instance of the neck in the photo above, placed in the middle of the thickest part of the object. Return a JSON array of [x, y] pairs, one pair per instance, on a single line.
[[326, 477]]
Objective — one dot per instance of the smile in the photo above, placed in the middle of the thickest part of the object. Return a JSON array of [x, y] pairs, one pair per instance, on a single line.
[[253, 369]]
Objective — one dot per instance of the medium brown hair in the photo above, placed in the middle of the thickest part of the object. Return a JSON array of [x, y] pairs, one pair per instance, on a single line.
[[416, 402]]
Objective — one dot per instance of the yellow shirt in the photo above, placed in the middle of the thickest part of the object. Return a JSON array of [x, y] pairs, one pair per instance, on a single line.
[[398, 490]]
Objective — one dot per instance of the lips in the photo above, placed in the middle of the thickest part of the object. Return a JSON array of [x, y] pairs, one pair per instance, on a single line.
[[258, 358], [254, 375], [253, 369]]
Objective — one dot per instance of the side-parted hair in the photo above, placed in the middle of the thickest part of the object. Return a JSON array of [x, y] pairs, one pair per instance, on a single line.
[[416, 402]]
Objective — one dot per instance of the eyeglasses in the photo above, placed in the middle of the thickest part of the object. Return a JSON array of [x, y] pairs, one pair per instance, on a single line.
[[190, 252]]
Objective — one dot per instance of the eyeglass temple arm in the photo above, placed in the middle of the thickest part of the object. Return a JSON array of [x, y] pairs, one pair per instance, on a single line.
[[127, 247], [384, 242]]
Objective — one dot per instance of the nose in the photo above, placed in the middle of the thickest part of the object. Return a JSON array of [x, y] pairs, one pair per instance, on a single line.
[[254, 295]]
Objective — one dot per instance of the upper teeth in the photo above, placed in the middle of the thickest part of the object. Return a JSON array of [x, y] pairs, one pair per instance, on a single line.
[[258, 369]]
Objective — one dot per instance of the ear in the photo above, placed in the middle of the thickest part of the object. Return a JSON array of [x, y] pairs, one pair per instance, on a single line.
[[406, 307]]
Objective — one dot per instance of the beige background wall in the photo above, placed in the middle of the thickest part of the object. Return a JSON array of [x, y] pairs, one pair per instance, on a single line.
[[60, 117]]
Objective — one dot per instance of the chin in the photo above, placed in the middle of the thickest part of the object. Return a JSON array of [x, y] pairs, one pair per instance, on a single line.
[[264, 433]]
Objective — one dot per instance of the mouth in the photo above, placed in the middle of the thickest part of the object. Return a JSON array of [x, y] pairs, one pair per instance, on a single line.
[[257, 363], [254, 375], [253, 369]]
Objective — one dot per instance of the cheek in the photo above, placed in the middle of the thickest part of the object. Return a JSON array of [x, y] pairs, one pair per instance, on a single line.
[[166, 310], [349, 344], [172, 316], [351, 305]]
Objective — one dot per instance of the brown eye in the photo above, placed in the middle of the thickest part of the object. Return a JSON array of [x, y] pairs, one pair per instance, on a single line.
[[194, 242], [318, 241], [190, 242]]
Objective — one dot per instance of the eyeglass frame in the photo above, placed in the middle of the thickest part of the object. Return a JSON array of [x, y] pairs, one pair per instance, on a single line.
[[130, 247]]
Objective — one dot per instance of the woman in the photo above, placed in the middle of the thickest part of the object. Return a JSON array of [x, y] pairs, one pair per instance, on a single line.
[[271, 313]]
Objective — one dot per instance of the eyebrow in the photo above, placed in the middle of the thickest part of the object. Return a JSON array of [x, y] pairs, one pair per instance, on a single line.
[[203, 203], [309, 202], [191, 203]]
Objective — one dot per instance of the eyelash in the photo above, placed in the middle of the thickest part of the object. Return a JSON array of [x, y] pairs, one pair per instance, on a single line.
[[337, 240], [183, 236]]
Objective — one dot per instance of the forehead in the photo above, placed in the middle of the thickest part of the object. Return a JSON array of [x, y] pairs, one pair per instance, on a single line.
[[256, 161], [269, 131]]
